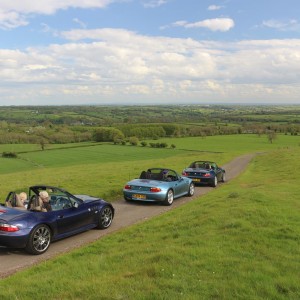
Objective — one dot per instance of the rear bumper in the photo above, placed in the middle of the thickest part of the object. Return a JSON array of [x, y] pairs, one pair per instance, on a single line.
[[13, 241], [151, 197], [202, 181]]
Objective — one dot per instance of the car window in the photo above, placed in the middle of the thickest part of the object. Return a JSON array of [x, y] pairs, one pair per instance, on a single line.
[[172, 175]]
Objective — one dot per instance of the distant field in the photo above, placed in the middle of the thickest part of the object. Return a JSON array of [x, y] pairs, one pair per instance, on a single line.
[[241, 241], [238, 144], [36, 147], [103, 169]]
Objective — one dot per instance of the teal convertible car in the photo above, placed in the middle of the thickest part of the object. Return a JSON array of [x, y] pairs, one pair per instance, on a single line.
[[158, 185]]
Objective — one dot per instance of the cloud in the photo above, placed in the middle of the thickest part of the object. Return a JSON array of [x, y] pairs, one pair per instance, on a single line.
[[115, 65], [16, 13], [80, 23], [214, 7], [291, 25], [218, 24], [11, 20], [154, 3]]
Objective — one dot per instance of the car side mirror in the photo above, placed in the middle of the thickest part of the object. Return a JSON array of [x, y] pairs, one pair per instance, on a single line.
[[75, 205]]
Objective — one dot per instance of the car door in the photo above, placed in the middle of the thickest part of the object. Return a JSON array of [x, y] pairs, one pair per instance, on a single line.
[[180, 185], [218, 172], [72, 219]]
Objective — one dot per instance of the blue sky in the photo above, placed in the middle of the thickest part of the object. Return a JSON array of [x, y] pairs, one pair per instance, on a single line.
[[149, 52]]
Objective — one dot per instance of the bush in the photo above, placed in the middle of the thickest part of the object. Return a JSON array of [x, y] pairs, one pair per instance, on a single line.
[[133, 141], [9, 154]]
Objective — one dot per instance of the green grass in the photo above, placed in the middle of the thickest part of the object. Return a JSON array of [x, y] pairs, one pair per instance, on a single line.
[[102, 172], [241, 241], [102, 169], [238, 144], [19, 148]]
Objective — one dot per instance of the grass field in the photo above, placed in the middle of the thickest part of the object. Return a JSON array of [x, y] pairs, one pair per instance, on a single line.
[[102, 169], [237, 144], [241, 241]]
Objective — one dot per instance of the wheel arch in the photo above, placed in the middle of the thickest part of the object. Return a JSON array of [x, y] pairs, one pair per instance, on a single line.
[[49, 225]]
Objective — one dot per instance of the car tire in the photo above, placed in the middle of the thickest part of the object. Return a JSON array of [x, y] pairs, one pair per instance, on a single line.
[[169, 198], [223, 177], [191, 189], [105, 217], [39, 240], [127, 199], [214, 182]]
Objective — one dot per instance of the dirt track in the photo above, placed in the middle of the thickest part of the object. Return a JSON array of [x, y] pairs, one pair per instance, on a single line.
[[12, 260]]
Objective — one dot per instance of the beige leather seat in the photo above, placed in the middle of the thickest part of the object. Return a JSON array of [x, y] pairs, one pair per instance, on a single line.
[[36, 204], [19, 203]]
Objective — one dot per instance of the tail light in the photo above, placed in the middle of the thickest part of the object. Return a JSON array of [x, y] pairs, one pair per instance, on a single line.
[[206, 175], [8, 228], [127, 187], [184, 174], [155, 189]]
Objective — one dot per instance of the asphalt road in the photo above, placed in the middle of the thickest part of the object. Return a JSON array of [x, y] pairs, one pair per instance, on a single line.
[[126, 214]]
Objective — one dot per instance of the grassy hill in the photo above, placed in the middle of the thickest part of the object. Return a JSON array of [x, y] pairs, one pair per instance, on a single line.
[[241, 241]]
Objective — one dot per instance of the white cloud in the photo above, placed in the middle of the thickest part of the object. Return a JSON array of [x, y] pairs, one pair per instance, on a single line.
[[16, 13], [214, 7], [218, 24], [291, 25], [79, 22], [154, 3], [119, 65]]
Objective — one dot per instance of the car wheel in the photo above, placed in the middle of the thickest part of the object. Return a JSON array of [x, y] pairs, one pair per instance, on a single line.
[[105, 217], [214, 182], [39, 240], [223, 177], [127, 199], [191, 189], [169, 198]]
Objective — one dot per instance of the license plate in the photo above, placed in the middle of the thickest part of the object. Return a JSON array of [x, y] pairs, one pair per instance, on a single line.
[[139, 196], [196, 179]]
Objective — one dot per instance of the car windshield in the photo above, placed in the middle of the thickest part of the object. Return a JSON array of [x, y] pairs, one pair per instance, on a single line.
[[58, 199]]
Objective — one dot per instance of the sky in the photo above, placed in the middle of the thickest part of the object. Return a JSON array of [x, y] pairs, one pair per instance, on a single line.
[[85, 52]]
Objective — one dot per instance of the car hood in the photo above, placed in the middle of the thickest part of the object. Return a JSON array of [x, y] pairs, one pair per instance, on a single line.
[[86, 197]]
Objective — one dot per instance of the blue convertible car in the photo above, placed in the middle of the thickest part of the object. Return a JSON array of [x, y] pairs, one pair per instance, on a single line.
[[48, 214], [205, 172], [158, 185]]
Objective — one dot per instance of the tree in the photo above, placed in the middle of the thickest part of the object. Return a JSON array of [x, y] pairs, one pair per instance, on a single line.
[[107, 134], [271, 135], [133, 140], [42, 143]]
